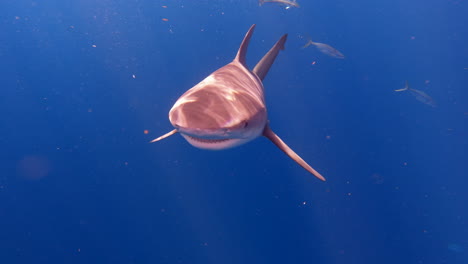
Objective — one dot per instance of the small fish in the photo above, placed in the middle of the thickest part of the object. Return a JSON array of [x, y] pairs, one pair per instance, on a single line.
[[288, 3], [325, 49], [455, 247], [420, 95]]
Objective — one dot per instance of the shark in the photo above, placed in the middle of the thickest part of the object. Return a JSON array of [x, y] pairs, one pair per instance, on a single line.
[[419, 95], [228, 108]]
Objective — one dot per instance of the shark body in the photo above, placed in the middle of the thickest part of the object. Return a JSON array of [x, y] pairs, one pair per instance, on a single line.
[[228, 108]]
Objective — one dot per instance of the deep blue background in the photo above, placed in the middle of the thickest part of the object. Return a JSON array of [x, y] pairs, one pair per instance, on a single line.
[[79, 182]]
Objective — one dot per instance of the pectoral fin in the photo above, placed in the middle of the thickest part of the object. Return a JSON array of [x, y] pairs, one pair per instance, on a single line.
[[268, 133], [165, 136]]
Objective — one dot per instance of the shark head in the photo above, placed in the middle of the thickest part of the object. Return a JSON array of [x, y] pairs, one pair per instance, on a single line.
[[219, 112]]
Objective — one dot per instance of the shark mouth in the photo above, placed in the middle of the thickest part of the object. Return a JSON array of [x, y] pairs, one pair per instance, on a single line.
[[209, 141], [213, 143]]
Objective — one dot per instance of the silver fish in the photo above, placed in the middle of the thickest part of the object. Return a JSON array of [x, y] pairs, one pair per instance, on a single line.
[[325, 49], [419, 95], [288, 3], [228, 109]]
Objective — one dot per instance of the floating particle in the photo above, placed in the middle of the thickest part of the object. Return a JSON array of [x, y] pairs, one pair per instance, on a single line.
[[165, 19], [164, 6], [133, 75], [33, 167], [93, 46], [146, 131], [377, 178]]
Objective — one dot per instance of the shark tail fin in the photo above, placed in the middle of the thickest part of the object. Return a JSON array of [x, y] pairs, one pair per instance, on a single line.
[[309, 42], [240, 57], [403, 89], [164, 136], [268, 133], [263, 66]]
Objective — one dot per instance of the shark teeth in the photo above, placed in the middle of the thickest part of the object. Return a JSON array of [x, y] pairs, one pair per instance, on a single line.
[[206, 140]]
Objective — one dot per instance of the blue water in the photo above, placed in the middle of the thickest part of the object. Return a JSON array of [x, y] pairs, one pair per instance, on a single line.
[[83, 80]]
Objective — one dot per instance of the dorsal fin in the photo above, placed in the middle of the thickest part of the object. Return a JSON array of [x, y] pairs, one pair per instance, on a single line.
[[240, 57], [263, 66]]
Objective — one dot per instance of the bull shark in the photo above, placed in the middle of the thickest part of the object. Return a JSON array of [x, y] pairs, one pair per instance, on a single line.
[[227, 108]]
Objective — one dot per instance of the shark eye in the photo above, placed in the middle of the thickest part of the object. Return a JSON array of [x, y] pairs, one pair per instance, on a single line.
[[246, 124]]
